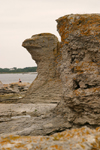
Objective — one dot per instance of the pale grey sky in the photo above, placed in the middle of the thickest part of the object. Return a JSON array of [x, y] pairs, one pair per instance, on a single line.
[[20, 19]]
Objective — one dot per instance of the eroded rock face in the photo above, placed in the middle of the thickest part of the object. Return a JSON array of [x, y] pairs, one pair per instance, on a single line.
[[80, 68], [44, 49]]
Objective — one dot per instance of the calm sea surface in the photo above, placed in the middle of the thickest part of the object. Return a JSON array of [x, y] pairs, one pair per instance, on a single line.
[[10, 78]]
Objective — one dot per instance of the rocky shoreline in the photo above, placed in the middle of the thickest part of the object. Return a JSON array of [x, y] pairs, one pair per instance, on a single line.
[[12, 91], [61, 108]]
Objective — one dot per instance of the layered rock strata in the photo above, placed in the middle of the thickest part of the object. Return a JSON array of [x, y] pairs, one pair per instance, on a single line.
[[80, 69], [47, 87]]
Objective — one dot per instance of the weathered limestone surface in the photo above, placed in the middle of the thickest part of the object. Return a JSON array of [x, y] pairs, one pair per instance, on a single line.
[[47, 87], [74, 139], [80, 69], [73, 78]]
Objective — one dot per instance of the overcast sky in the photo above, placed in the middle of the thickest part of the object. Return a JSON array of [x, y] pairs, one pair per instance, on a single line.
[[20, 19]]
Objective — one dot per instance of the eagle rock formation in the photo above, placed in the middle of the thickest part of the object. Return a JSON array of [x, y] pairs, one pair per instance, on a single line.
[[47, 87]]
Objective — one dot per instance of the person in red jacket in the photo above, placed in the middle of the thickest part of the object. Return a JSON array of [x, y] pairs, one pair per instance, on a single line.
[[20, 81]]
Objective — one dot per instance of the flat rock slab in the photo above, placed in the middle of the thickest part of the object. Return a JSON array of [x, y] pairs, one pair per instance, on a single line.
[[13, 110], [17, 117]]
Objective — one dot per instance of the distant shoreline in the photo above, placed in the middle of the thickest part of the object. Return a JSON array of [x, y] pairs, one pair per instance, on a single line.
[[18, 70], [18, 73]]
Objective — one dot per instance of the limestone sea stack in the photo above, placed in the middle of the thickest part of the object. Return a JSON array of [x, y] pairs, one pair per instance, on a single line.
[[44, 49], [76, 61], [77, 65]]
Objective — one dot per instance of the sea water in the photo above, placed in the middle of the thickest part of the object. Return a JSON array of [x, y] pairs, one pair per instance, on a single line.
[[14, 77]]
